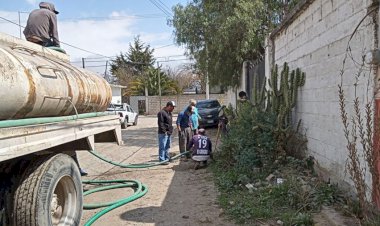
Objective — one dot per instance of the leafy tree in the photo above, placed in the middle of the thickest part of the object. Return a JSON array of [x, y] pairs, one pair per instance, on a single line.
[[137, 58], [152, 81], [136, 62], [222, 34], [135, 70]]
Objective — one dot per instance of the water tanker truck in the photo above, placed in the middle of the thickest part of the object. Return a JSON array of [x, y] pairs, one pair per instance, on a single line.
[[48, 110]]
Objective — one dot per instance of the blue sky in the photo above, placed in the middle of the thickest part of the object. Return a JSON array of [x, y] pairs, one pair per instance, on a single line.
[[105, 27]]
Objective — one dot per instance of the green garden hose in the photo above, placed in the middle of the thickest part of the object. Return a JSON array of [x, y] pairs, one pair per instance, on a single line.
[[135, 166], [140, 189]]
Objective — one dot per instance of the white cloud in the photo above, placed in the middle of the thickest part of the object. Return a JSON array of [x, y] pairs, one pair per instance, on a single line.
[[107, 37], [10, 25], [31, 2]]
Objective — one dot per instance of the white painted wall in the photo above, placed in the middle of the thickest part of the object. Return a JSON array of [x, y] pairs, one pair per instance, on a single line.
[[316, 42], [116, 94]]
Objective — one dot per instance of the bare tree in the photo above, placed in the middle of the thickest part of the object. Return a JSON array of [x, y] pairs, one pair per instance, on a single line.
[[185, 77]]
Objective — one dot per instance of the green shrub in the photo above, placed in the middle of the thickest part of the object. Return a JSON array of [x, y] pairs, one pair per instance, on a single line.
[[249, 142]]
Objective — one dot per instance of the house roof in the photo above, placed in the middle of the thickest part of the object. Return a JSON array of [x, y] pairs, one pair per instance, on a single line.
[[118, 86]]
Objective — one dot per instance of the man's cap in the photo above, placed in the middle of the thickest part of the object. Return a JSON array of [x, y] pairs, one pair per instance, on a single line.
[[170, 103], [49, 6]]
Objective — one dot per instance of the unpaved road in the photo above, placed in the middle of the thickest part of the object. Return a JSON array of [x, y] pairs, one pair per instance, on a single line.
[[178, 194]]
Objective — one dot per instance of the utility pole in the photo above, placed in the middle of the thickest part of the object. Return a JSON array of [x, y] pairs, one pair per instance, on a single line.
[[207, 82], [19, 22], [105, 71], [159, 83], [83, 66], [146, 91], [207, 87]]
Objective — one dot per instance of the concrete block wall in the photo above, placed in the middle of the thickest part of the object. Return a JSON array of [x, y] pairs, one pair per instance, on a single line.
[[316, 42], [181, 101], [134, 102]]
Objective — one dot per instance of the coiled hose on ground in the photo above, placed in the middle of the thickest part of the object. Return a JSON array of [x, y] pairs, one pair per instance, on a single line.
[[139, 188]]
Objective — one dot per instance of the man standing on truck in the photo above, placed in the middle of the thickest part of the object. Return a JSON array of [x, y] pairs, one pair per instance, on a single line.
[[165, 130], [41, 27]]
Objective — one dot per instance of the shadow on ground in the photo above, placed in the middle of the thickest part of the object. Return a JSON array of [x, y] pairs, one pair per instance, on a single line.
[[190, 198]]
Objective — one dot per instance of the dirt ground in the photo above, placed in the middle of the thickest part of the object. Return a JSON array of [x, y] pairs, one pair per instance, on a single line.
[[178, 194]]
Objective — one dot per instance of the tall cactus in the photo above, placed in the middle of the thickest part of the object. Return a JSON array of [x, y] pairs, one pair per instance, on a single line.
[[282, 96], [285, 98], [280, 99], [258, 93]]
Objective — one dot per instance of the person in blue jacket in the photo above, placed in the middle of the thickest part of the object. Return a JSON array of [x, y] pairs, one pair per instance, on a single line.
[[184, 127], [194, 117]]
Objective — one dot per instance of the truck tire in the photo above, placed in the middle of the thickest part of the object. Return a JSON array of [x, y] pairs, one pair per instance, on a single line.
[[49, 193], [124, 125], [136, 119]]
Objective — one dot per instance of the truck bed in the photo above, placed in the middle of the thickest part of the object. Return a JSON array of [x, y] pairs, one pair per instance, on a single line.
[[80, 134]]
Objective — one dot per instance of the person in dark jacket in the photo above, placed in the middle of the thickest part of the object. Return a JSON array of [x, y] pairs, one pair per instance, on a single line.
[[201, 147], [165, 130], [41, 27]]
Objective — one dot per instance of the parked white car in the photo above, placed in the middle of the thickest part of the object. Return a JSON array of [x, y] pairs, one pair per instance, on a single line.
[[126, 113]]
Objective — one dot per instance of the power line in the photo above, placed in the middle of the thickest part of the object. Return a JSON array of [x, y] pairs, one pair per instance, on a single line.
[[163, 4], [60, 41], [129, 62], [110, 57], [135, 16], [87, 51], [164, 46], [169, 56], [88, 61], [147, 16], [10, 21], [161, 8], [95, 66], [161, 61]]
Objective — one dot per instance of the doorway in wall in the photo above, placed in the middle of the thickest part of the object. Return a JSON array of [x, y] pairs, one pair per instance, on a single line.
[[141, 107]]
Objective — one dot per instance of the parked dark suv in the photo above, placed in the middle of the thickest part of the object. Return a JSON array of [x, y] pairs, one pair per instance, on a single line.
[[208, 110]]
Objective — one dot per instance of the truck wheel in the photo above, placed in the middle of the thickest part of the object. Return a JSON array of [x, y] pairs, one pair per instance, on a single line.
[[125, 123], [136, 119], [49, 193]]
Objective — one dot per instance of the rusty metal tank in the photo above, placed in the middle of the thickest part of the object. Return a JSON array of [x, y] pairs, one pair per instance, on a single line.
[[39, 82]]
